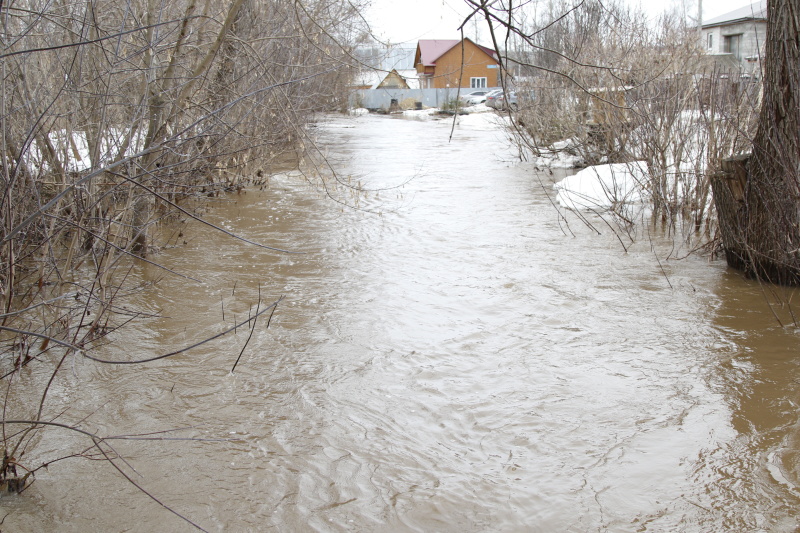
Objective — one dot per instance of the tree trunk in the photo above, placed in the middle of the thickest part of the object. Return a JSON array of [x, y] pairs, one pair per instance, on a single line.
[[761, 224]]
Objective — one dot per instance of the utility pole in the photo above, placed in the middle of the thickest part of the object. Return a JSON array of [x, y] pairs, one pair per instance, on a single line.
[[700, 20]]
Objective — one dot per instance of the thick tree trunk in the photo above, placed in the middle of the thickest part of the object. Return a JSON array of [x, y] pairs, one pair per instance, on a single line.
[[760, 223]]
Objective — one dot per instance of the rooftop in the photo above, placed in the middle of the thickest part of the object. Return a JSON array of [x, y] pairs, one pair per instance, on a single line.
[[756, 11], [432, 49]]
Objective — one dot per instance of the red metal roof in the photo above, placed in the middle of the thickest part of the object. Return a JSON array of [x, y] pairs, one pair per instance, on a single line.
[[432, 49]]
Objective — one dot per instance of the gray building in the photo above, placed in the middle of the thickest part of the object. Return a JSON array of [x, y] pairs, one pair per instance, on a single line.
[[740, 36]]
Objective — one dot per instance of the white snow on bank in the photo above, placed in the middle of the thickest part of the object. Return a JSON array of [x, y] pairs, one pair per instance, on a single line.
[[475, 117], [478, 108], [561, 154], [603, 186], [549, 159], [421, 113], [72, 150], [483, 121]]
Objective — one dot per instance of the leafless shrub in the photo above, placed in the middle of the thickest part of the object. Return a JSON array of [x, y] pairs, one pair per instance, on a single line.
[[118, 115], [619, 88]]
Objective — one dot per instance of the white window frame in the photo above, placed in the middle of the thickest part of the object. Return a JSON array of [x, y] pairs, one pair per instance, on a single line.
[[711, 41], [477, 83]]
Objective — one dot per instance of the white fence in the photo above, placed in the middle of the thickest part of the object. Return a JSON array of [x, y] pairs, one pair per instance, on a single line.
[[382, 98]]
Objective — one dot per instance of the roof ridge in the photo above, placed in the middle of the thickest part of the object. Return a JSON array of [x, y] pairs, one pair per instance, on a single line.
[[753, 11], [448, 44]]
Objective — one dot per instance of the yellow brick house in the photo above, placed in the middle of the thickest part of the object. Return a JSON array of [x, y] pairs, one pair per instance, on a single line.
[[451, 63]]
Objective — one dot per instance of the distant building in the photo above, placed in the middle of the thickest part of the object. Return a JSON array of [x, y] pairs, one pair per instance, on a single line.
[[385, 66], [446, 63], [393, 80], [740, 35]]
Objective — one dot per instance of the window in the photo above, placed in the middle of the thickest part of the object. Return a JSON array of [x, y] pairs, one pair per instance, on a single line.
[[733, 45], [711, 41], [477, 83]]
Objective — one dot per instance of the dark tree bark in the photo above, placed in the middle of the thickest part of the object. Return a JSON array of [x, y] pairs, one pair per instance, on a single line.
[[758, 200]]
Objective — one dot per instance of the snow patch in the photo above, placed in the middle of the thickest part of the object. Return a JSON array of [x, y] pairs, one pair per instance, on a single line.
[[72, 150], [603, 186], [478, 108], [561, 154], [483, 121], [549, 159], [420, 113]]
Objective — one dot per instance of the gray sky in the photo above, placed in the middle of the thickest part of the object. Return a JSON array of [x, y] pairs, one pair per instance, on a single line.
[[411, 20]]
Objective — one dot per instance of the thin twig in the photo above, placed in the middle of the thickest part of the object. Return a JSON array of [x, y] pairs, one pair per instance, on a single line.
[[182, 350]]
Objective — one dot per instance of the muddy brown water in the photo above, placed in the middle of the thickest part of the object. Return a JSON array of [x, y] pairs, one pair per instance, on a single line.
[[456, 360]]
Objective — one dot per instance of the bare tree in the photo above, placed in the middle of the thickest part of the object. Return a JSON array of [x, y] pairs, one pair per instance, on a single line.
[[120, 115], [757, 196], [613, 86]]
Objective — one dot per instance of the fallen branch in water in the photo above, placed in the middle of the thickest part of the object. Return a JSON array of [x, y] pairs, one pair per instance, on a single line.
[[272, 307], [253, 327], [19, 483]]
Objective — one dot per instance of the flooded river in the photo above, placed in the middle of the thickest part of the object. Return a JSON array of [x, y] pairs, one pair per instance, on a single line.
[[452, 357]]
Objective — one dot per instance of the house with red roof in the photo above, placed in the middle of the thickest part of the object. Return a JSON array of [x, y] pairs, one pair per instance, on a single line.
[[451, 63]]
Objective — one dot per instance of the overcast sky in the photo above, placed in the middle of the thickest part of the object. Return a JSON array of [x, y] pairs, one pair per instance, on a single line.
[[410, 20]]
